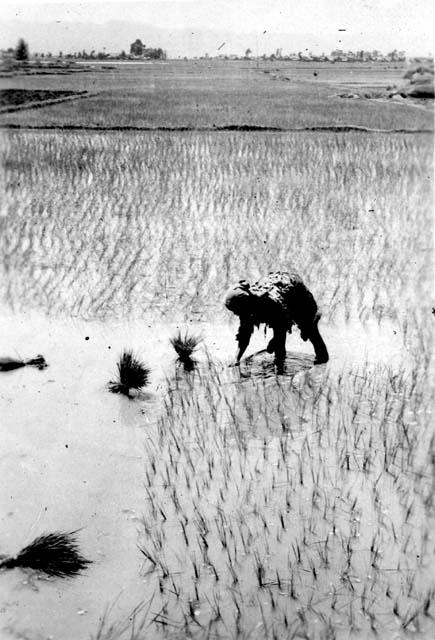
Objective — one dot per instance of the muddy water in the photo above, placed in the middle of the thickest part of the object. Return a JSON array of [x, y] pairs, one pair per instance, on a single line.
[[72, 454]]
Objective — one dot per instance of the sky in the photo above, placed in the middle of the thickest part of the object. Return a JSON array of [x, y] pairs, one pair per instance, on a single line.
[[194, 27]]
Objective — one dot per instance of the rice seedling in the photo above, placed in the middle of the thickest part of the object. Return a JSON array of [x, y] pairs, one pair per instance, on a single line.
[[133, 624], [9, 364], [133, 375], [185, 346], [55, 554]]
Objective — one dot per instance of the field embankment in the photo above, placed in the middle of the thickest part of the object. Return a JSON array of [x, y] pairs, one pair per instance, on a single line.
[[197, 94]]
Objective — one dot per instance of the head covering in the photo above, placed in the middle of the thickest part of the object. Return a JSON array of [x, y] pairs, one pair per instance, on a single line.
[[238, 298]]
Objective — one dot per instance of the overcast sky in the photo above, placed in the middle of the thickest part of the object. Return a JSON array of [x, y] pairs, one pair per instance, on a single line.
[[184, 26]]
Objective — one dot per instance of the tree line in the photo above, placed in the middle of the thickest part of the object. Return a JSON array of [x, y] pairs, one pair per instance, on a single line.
[[138, 50]]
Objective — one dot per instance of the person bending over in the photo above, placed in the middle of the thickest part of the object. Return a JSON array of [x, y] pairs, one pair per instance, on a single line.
[[279, 300]]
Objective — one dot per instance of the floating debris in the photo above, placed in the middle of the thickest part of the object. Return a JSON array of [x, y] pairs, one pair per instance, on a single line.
[[133, 375], [9, 364], [55, 554]]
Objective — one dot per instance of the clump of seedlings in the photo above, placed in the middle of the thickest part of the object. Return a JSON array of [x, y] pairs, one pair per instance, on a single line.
[[55, 554], [185, 346], [133, 375], [9, 364]]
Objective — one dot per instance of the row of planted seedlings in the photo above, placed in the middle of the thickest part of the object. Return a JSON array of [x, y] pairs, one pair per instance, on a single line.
[[366, 244], [256, 491]]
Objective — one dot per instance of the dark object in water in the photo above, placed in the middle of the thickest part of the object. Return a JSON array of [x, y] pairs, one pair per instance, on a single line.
[[279, 300], [133, 374], [55, 554], [184, 348], [9, 364], [421, 90]]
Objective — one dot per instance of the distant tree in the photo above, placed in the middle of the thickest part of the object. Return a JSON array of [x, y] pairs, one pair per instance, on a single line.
[[248, 53], [393, 56], [154, 54], [22, 50], [137, 48]]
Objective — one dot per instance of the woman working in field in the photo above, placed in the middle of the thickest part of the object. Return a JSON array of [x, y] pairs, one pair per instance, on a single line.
[[278, 300]]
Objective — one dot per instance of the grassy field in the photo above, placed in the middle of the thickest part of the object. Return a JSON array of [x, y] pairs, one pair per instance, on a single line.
[[297, 505], [215, 93]]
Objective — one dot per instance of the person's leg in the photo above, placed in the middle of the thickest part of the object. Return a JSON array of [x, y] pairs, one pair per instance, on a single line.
[[320, 349], [278, 341]]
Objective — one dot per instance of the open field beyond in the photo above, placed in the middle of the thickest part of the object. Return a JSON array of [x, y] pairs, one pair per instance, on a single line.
[[207, 94], [225, 503]]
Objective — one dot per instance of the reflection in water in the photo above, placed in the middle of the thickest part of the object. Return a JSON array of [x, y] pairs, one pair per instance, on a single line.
[[263, 365]]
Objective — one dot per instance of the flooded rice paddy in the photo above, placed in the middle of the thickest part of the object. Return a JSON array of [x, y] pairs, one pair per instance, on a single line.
[[226, 502], [279, 502]]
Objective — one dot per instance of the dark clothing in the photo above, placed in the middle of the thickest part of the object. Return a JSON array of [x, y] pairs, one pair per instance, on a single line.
[[278, 300]]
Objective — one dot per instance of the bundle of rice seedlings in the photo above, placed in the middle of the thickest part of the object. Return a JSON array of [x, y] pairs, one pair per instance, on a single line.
[[184, 347], [9, 364], [55, 554], [132, 375]]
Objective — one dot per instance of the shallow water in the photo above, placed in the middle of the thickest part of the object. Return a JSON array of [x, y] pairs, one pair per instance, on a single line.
[[71, 458], [73, 454]]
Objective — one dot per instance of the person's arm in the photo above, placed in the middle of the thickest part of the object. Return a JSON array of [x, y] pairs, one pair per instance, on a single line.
[[243, 337], [304, 310]]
